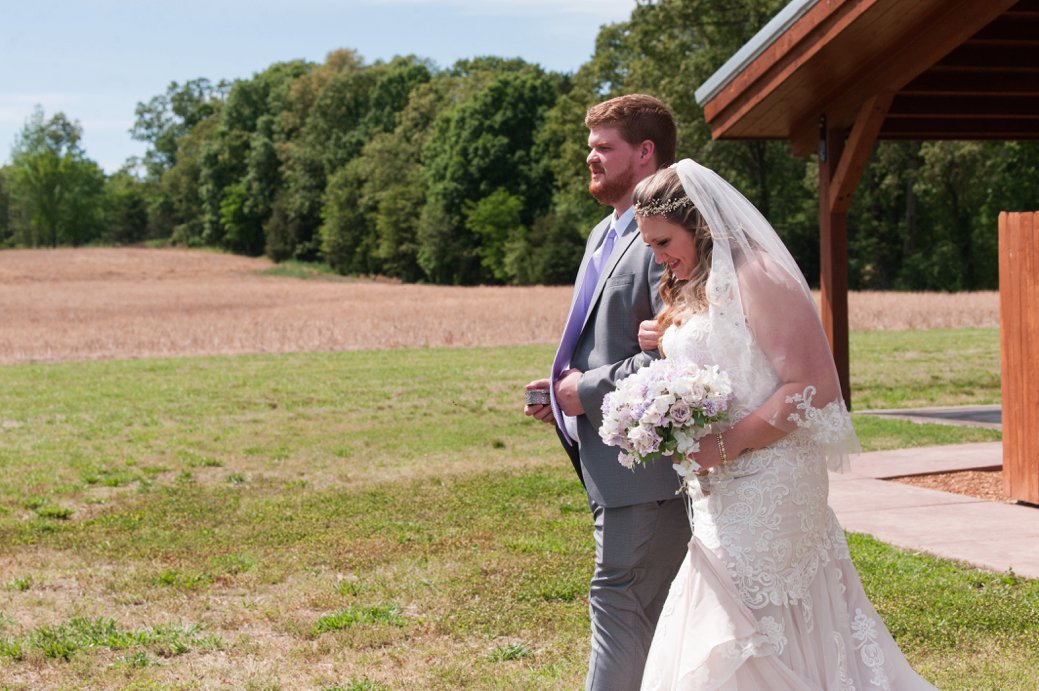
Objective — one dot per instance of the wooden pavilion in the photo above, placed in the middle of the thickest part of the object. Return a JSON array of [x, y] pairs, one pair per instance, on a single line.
[[834, 76]]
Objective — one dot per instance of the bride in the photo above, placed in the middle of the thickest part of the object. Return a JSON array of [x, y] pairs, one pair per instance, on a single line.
[[767, 597]]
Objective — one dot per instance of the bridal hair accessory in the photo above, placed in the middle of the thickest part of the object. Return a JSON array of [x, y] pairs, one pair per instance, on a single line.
[[660, 207], [537, 397]]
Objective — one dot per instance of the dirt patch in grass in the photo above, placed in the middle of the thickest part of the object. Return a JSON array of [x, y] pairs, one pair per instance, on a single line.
[[104, 303]]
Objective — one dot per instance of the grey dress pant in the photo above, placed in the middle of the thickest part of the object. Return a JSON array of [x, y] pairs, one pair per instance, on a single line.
[[638, 550]]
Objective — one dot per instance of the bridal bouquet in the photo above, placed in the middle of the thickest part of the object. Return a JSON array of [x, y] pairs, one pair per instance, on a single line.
[[662, 410]]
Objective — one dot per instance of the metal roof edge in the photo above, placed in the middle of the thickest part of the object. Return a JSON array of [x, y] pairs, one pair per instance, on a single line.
[[775, 28]]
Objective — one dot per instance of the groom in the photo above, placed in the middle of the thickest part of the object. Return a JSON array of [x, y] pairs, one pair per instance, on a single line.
[[641, 529]]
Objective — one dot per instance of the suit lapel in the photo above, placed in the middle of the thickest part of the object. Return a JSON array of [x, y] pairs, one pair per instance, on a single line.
[[623, 243]]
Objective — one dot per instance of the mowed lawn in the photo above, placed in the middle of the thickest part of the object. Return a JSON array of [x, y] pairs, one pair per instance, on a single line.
[[377, 519], [382, 520]]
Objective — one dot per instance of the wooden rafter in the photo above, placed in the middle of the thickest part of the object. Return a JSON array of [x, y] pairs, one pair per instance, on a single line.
[[856, 151]]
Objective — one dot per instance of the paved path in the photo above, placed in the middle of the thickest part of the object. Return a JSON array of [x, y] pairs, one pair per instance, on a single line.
[[992, 535]]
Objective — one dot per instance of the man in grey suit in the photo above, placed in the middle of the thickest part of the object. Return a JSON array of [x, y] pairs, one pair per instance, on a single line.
[[641, 529]]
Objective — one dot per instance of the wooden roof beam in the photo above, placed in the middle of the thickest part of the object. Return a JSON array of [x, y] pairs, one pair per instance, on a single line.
[[957, 106], [856, 152], [945, 29]]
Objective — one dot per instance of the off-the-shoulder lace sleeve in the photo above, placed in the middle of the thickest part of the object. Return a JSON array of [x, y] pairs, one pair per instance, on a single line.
[[784, 323]]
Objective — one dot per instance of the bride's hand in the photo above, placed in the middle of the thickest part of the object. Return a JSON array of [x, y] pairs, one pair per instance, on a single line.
[[649, 334]]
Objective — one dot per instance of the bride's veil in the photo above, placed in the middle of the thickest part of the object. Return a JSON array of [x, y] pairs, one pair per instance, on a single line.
[[757, 296]]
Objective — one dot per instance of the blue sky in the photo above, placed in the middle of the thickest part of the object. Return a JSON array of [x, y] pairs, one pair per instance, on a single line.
[[95, 60]]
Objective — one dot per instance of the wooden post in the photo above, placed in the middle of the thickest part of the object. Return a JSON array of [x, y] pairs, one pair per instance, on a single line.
[[1019, 347], [833, 257], [841, 162]]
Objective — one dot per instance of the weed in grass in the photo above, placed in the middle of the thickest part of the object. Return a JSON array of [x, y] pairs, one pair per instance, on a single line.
[[19, 584], [362, 685], [111, 478], [509, 652], [177, 579], [233, 564], [63, 640], [11, 649], [349, 588], [58, 513], [566, 588], [236, 479], [360, 614], [136, 660], [194, 460]]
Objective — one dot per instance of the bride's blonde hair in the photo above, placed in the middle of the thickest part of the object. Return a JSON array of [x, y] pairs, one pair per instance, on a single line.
[[662, 195]]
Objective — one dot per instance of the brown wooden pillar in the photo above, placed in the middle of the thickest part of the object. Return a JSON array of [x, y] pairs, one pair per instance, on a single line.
[[1019, 348], [842, 157], [833, 257]]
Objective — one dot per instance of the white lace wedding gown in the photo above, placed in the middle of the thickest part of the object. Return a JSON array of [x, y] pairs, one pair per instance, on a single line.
[[767, 597]]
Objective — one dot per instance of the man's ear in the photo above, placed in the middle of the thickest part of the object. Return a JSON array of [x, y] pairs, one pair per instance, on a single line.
[[647, 149]]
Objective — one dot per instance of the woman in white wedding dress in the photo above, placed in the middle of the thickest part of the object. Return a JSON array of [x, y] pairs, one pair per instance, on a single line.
[[767, 597]]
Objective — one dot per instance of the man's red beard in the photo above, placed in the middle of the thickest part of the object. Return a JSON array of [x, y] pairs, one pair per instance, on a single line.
[[612, 188]]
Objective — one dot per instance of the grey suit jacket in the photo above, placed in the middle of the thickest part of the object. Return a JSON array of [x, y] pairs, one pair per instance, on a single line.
[[606, 352]]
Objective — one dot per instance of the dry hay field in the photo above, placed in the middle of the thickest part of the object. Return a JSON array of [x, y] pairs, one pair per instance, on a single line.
[[102, 303]]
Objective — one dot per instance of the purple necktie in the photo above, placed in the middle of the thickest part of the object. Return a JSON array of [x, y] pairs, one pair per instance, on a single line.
[[578, 313]]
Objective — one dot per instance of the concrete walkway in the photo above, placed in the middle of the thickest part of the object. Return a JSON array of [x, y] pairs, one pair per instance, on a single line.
[[991, 535]]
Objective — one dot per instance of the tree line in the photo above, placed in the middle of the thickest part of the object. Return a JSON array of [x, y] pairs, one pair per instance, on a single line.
[[475, 173]]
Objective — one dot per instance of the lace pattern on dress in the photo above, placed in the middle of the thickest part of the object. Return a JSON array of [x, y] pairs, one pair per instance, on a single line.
[[864, 630], [830, 426], [766, 517], [773, 631], [844, 678]]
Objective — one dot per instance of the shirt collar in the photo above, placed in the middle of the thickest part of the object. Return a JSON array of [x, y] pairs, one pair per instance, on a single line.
[[621, 224]]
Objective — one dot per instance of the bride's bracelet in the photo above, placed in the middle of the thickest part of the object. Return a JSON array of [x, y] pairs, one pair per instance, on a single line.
[[721, 449]]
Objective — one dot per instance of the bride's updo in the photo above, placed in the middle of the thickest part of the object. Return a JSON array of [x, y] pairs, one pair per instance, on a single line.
[[662, 194]]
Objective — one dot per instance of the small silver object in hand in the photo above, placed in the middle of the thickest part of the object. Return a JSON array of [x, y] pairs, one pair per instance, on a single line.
[[537, 397]]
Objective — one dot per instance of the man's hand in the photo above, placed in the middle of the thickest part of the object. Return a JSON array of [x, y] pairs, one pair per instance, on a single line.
[[539, 412], [566, 393], [649, 334]]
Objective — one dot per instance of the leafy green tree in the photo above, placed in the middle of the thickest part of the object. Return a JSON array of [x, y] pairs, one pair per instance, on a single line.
[[6, 231], [955, 185], [165, 119], [57, 192], [495, 222], [483, 144], [126, 209], [372, 228], [175, 208], [369, 102], [238, 164]]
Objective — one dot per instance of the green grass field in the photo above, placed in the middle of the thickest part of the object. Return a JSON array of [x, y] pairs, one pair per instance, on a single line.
[[383, 520]]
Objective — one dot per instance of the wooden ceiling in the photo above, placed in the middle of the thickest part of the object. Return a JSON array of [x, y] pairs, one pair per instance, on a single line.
[[957, 69]]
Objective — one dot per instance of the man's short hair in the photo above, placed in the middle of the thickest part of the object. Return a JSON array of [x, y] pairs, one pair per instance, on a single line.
[[638, 117]]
